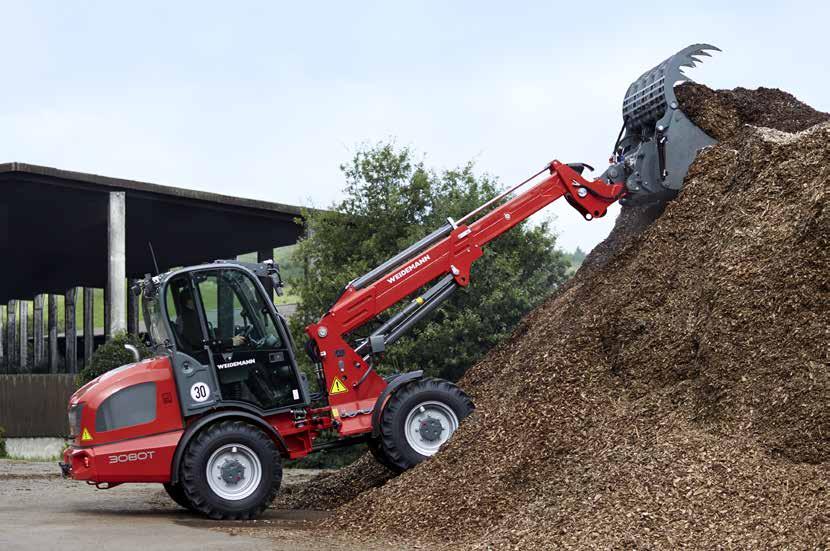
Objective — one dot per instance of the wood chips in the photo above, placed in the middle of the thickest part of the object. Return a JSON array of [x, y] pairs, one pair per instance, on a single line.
[[674, 394]]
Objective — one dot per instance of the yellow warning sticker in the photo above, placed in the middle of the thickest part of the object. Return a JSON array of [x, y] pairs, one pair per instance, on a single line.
[[85, 436], [337, 387]]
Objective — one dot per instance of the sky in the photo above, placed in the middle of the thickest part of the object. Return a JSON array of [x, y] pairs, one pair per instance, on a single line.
[[267, 99]]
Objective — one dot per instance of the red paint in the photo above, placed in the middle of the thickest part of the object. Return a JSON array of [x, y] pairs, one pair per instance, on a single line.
[[459, 250], [144, 453]]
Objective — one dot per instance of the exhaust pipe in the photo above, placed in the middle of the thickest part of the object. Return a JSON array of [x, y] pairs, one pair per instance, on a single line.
[[134, 351]]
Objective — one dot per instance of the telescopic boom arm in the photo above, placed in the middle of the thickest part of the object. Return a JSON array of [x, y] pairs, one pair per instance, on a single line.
[[445, 256]]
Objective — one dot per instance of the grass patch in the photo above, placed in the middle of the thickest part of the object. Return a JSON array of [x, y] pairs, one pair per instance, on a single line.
[[37, 459]]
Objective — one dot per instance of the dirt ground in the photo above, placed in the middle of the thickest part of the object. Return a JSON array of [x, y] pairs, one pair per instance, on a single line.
[[40, 510]]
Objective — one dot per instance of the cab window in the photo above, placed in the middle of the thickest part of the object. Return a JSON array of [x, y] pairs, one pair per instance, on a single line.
[[252, 362], [183, 316], [237, 316], [130, 406]]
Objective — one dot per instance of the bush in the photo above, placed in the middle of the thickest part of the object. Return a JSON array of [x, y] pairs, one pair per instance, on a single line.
[[110, 355], [2, 442]]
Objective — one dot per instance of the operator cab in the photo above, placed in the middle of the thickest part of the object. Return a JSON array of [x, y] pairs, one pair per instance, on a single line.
[[227, 342]]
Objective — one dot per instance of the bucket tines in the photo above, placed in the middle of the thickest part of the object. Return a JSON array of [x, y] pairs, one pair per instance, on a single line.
[[658, 142]]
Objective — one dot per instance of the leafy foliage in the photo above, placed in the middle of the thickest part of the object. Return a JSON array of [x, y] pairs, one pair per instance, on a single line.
[[284, 257], [2, 442], [574, 260], [392, 200], [110, 355]]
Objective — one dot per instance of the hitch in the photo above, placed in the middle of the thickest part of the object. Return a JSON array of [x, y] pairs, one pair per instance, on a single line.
[[104, 485]]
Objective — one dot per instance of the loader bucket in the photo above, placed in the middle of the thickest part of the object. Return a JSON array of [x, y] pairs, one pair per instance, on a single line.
[[658, 141]]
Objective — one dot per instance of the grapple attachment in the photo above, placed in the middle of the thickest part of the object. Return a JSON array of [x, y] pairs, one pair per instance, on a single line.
[[658, 141]]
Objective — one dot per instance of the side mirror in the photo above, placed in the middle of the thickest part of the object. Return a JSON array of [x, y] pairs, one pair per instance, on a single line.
[[276, 280], [273, 271]]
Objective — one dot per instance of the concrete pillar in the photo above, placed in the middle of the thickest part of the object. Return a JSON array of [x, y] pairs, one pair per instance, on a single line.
[[52, 325], [38, 349], [117, 273], [70, 332], [3, 366], [132, 309], [23, 321], [11, 332], [89, 324]]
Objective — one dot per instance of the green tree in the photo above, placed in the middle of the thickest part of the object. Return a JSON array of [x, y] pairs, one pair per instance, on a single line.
[[574, 260], [392, 200]]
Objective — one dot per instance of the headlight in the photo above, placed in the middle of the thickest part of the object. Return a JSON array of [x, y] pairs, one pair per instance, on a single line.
[[75, 420]]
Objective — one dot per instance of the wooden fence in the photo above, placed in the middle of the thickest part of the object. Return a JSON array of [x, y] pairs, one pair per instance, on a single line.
[[35, 405]]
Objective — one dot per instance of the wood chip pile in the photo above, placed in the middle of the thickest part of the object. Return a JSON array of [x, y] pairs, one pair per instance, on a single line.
[[675, 394], [334, 488]]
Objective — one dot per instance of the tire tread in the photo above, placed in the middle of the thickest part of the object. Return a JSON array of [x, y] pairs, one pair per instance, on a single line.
[[191, 465], [388, 449]]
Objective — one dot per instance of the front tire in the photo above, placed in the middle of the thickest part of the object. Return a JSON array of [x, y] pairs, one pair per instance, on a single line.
[[418, 419], [231, 470], [376, 448], [176, 493]]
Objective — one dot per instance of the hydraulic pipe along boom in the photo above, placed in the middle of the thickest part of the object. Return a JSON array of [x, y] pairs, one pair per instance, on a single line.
[[421, 313], [393, 328], [405, 254]]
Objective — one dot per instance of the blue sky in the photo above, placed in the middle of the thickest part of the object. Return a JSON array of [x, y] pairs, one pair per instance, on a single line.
[[267, 99]]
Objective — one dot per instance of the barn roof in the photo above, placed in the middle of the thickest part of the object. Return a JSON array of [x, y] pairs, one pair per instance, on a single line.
[[53, 228]]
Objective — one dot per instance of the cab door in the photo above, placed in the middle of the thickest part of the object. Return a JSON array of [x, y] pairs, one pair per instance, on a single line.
[[249, 348], [196, 381]]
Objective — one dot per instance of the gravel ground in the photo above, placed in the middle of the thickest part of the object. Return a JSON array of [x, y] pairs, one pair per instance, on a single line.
[[40, 510]]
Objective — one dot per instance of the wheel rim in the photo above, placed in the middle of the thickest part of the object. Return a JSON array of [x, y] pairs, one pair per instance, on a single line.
[[233, 472], [429, 425]]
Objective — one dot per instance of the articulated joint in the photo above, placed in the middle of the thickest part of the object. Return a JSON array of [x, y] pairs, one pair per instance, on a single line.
[[590, 197]]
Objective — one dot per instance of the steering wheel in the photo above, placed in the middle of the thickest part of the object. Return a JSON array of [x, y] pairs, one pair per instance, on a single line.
[[246, 332]]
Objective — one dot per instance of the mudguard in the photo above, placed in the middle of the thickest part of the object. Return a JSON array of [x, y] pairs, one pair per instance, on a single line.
[[193, 429], [393, 384]]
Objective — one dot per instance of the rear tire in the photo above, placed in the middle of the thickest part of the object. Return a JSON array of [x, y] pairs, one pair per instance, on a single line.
[[417, 420], [176, 493], [231, 470]]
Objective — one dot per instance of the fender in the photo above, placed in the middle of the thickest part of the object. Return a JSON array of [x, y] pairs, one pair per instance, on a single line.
[[393, 385], [193, 429]]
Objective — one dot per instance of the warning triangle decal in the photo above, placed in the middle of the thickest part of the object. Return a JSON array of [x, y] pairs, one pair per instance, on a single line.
[[337, 387], [85, 436]]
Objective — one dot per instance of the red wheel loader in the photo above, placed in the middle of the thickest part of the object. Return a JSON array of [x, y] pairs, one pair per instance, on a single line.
[[214, 412]]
